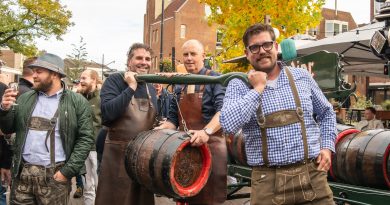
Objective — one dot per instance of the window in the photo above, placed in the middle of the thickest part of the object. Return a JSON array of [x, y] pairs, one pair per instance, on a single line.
[[156, 36], [219, 37], [345, 28], [329, 29], [334, 27], [182, 31]]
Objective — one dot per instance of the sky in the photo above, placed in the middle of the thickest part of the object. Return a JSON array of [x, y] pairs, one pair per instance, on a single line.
[[110, 27]]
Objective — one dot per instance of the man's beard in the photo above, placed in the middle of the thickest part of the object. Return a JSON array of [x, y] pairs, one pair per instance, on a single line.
[[267, 69], [85, 89], [43, 85]]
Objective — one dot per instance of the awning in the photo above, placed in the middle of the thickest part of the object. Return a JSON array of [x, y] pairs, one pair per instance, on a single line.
[[354, 46]]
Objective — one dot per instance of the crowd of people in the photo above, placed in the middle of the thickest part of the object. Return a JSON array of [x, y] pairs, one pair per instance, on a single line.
[[57, 134]]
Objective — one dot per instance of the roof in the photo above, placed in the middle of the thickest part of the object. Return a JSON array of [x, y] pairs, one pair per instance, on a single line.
[[330, 14], [171, 9], [69, 63]]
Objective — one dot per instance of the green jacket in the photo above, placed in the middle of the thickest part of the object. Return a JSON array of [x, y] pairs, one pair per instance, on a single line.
[[94, 101], [76, 130]]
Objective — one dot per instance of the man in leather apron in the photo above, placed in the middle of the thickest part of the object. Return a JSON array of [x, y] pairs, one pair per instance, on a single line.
[[290, 153], [128, 108], [200, 106]]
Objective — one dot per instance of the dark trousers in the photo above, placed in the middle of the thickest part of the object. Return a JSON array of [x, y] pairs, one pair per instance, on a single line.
[[295, 184], [36, 186]]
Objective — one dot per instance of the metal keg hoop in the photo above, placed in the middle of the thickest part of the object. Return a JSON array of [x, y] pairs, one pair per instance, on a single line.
[[201, 181]]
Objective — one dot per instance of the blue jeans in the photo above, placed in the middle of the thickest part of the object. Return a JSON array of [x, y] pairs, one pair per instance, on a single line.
[[2, 195], [79, 181]]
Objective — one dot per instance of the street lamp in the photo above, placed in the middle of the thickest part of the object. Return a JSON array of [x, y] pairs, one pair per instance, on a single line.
[[103, 65], [161, 36]]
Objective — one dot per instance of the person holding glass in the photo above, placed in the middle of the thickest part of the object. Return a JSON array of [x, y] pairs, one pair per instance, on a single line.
[[54, 134]]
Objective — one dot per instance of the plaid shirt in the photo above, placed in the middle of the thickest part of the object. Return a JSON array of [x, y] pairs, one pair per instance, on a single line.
[[285, 144]]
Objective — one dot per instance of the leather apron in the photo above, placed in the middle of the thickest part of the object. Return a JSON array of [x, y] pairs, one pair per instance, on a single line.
[[115, 186], [215, 190]]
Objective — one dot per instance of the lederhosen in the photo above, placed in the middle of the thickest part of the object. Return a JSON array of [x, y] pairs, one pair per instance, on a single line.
[[115, 186], [215, 189], [38, 177], [294, 178]]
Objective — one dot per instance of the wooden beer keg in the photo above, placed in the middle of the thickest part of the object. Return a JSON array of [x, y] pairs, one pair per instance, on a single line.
[[362, 158], [343, 131], [236, 148], [165, 163]]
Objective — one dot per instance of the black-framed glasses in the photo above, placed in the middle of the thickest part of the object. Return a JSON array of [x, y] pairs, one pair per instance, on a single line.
[[255, 48]]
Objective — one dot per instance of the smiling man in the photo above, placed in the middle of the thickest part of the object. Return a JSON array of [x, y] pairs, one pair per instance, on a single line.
[[128, 108], [288, 150], [54, 135], [200, 107], [89, 79]]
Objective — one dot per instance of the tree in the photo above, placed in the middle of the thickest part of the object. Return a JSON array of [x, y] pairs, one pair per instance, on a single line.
[[78, 59], [235, 16], [23, 21], [167, 65]]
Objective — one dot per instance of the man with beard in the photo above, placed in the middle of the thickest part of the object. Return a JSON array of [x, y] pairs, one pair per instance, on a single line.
[[54, 135], [128, 108], [288, 150], [88, 88], [200, 107]]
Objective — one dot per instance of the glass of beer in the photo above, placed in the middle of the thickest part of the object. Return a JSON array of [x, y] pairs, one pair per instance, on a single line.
[[15, 88]]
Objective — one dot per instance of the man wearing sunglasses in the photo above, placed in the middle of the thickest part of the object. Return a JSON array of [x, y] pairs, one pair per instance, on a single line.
[[290, 153]]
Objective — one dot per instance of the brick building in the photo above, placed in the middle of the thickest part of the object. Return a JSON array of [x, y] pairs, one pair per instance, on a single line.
[[11, 65], [334, 22], [183, 20]]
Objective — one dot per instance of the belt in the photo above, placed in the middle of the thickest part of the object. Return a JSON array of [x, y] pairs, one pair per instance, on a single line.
[[295, 164], [58, 166]]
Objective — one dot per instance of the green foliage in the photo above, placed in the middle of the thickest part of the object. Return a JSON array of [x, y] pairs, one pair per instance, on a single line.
[[167, 65], [362, 102], [23, 21], [235, 16], [78, 57], [386, 105]]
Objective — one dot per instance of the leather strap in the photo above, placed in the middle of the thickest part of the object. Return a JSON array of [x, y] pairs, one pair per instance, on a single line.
[[52, 140], [282, 118], [190, 89], [299, 112], [279, 118]]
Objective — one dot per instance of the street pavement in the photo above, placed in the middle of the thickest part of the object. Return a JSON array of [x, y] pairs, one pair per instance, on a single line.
[[165, 201], [159, 200]]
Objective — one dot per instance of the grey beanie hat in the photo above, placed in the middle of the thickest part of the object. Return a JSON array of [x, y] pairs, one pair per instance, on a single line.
[[51, 62]]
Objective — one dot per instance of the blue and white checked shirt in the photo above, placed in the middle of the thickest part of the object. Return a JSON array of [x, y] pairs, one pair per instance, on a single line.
[[285, 144]]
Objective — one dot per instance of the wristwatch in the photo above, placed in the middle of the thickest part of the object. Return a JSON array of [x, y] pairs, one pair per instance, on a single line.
[[208, 131]]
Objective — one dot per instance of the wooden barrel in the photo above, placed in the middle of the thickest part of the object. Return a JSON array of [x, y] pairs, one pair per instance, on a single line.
[[165, 163], [362, 158], [236, 148], [343, 131]]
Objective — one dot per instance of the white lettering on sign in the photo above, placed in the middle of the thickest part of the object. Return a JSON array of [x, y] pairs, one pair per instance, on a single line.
[[308, 66]]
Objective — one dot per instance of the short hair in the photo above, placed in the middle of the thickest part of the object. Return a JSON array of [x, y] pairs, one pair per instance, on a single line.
[[26, 70], [256, 29], [196, 42], [136, 46], [372, 109]]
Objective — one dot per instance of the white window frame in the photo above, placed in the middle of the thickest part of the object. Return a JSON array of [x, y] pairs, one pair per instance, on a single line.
[[183, 30], [330, 32]]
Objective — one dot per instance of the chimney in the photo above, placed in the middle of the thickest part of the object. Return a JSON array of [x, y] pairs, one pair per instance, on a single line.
[[335, 8]]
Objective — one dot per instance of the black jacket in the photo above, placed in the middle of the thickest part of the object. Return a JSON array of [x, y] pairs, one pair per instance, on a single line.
[[5, 151]]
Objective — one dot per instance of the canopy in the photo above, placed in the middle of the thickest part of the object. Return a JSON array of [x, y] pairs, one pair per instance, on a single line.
[[354, 45]]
